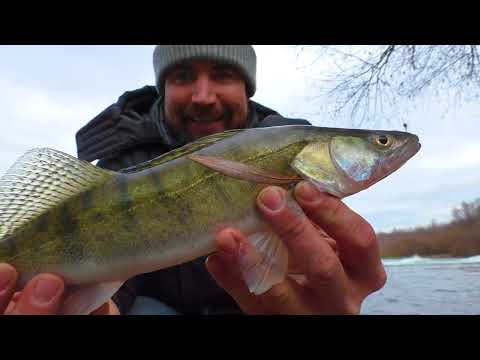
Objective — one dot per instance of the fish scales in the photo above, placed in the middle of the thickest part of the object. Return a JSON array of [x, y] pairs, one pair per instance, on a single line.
[[166, 211], [154, 210]]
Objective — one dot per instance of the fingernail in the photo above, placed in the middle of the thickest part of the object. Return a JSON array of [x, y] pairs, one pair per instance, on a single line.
[[6, 276], [46, 289], [272, 199], [307, 192]]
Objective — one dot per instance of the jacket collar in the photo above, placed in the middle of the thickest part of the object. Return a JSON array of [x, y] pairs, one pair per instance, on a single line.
[[127, 124]]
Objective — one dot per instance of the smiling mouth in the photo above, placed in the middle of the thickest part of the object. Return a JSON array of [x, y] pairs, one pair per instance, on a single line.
[[204, 120]]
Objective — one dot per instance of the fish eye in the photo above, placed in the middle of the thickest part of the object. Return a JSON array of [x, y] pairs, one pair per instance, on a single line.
[[383, 140]]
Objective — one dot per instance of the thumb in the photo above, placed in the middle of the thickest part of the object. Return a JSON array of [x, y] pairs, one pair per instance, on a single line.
[[41, 296]]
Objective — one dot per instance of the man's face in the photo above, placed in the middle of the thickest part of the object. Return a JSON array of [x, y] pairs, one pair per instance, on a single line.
[[203, 98]]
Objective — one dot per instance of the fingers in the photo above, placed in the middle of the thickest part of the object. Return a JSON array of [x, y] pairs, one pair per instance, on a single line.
[[224, 268], [41, 296], [8, 279], [356, 239], [226, 276], [13, 301], [284, 298], [109, 308], [305, 243]]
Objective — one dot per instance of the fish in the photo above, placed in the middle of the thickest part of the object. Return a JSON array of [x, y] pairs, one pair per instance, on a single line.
[[96, 227]]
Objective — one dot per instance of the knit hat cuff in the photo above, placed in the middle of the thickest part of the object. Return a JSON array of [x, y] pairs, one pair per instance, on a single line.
[[241, 56]]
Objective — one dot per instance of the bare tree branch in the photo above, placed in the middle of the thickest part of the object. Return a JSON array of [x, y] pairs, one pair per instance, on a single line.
[[368, 77]]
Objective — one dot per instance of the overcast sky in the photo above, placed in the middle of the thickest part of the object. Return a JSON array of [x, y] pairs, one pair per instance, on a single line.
[[48, 92]]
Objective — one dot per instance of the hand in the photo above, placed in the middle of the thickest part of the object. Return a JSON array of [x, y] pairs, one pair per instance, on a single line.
[[334, 252], [42, 295]]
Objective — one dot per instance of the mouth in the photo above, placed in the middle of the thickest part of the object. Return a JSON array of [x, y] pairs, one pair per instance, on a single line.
[[408, 150], [203, 120], [398, 158], [383, 169], [204, 117], [200, 127]]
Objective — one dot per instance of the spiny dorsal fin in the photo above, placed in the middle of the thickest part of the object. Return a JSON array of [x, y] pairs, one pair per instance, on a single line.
[[182, 151], [39, 180]]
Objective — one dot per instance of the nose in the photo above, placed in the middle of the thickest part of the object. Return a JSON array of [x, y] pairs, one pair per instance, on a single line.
[[203, 92]]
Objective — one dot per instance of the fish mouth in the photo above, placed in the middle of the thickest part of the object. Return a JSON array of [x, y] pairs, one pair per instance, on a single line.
[[398, 158], [348, 186]]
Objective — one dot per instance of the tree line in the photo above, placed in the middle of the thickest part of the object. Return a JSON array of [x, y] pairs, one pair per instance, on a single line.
[[458, 238]]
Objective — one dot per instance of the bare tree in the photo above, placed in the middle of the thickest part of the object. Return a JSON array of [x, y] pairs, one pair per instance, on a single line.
[[467, 212], [362, 80]]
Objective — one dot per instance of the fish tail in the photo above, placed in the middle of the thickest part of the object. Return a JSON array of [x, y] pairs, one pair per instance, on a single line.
[[40, 180]]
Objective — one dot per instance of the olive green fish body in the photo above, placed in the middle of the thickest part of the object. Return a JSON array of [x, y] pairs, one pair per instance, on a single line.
[[166, 211], [141, 221]]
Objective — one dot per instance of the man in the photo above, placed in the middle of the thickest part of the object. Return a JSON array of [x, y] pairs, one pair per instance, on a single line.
[[201, 90]]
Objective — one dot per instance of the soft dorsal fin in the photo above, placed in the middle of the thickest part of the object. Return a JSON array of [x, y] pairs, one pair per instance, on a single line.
[[182, 151], [39, 180]]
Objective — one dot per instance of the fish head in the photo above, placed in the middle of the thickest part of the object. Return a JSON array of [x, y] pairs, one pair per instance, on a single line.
[[348, 162]]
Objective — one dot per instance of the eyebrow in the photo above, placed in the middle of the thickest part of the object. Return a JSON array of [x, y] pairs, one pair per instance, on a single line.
[[181, 67], [224, 67]]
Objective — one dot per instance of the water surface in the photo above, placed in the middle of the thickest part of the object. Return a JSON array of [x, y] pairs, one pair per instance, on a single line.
[[427, 286]]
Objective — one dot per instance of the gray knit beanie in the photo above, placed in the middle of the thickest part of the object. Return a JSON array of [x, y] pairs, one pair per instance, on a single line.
[[241, 56]]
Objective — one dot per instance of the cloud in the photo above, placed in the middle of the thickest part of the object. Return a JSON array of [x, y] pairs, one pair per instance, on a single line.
[[38, 118], [48, 92], [279, 85]]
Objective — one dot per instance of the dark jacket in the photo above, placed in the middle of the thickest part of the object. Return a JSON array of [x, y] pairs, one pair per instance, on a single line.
[[132, 131]]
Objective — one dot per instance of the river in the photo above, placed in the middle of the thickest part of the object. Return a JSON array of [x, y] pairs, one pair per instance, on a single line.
[[427, 286]]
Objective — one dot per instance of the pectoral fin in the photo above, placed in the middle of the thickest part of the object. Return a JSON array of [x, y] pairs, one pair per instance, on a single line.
[[243, 171], [83, 299], [265, 263]]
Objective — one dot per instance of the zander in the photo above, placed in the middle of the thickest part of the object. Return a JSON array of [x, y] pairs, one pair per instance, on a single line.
[[96, 228]]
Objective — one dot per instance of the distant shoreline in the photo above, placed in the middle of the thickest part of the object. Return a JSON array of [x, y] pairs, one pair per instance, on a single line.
[[459, 238]]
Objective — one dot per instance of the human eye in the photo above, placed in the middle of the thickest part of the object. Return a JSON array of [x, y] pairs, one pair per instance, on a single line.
[[181, 76], [224, 74]]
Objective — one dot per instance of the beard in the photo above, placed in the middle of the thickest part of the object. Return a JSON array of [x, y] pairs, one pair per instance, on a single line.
[[194, 116]]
